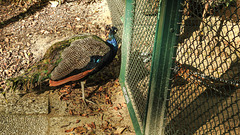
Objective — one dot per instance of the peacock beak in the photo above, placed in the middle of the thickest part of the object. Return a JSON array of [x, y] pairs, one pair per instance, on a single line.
[[114, 30]]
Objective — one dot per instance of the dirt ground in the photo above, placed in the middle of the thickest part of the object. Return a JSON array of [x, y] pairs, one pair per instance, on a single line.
[[29, 28]]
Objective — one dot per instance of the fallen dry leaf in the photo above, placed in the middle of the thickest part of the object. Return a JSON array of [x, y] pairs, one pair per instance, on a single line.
[[70, 130], [84, 115], [66, 125], [119, 106], [80, 130], [124, 104], [105, 125], [100, 88], [93, 125], [116, 108], [88, 126], [119, 131], [70, 112]]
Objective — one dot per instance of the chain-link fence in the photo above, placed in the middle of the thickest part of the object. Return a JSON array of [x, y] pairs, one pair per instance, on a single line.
[[139, 60], [202, 94], [141, 16], [117, 9]]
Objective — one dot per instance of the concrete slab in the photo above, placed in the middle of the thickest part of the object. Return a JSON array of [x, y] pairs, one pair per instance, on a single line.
[[58, 125], [24, 115], [12, 98], [29, 104], [23, 124]]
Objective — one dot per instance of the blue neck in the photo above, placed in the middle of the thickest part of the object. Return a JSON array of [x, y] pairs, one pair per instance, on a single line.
[[111, 40]]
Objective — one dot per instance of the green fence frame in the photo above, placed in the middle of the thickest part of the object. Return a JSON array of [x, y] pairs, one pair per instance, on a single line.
[[165, 40], [126, 42], [163, 58]]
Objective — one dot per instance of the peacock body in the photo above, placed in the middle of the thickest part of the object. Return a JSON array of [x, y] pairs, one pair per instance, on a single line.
[[72, 59]]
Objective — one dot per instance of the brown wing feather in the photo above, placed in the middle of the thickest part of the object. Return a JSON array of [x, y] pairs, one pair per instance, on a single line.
[[77, 56]]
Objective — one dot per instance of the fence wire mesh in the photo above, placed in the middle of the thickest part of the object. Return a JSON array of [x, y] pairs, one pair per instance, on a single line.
[[204, 94], [117, 10], [139, 60]]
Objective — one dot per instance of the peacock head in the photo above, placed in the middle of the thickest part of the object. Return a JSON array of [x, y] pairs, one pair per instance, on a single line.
[[111, 39]]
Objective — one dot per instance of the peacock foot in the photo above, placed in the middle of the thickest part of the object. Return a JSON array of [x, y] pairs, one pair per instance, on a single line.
[[83, 94], [86, 100]]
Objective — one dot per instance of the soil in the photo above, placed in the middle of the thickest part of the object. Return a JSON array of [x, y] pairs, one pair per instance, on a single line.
[[29, 28]]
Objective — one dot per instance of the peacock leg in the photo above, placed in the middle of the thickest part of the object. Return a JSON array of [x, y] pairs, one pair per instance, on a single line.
[[83, 93]]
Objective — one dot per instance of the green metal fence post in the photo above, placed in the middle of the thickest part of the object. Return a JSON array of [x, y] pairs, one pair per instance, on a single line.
[[127, 36], [165, 41]]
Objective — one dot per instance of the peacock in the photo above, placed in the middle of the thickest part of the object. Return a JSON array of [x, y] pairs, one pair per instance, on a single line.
[[70, 60]]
